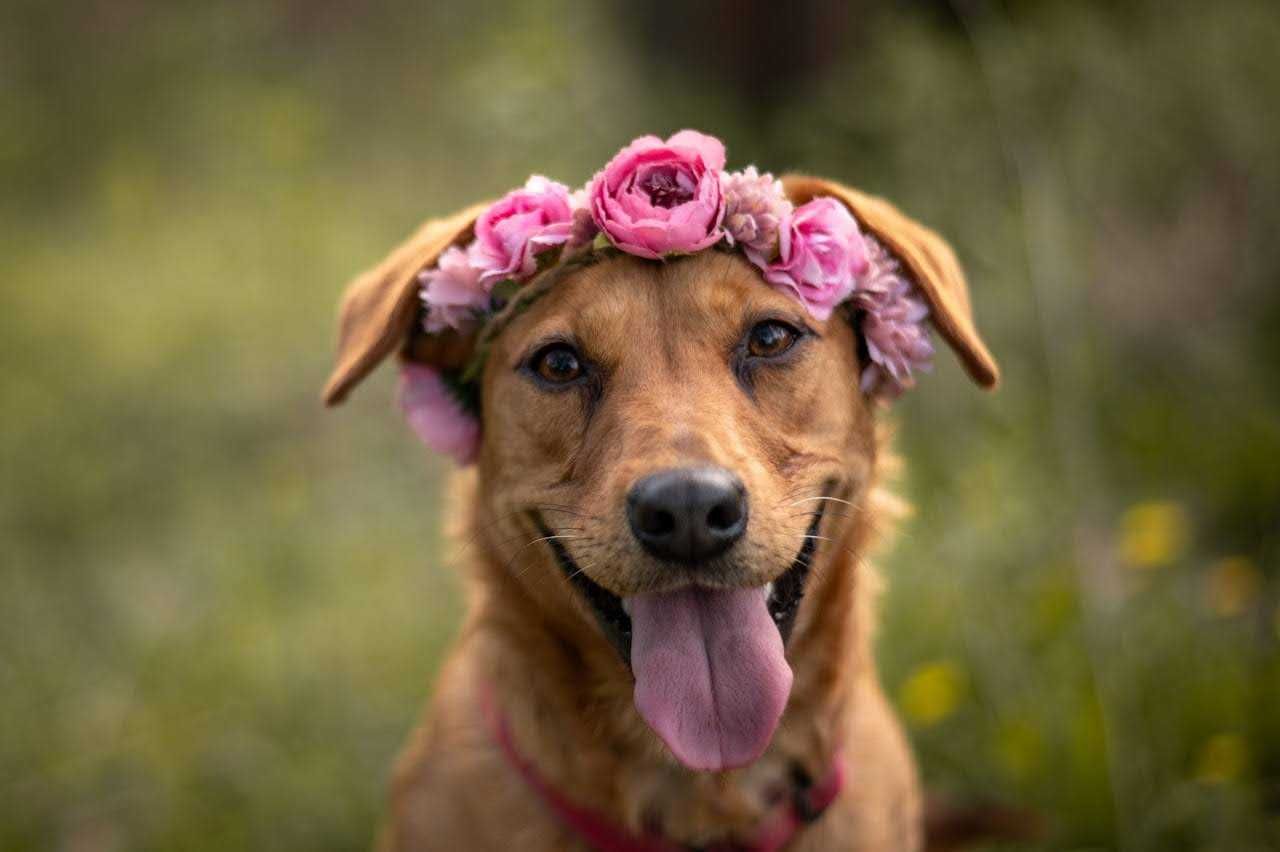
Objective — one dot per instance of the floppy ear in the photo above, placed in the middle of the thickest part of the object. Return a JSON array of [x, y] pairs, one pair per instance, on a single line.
[[380, 306], [926, 256]]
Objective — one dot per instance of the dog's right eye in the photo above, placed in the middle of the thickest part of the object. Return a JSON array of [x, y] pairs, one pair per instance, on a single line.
[[770, 339], [557, 364]]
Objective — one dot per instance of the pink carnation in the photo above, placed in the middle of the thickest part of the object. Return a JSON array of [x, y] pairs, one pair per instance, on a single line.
[[658, 197], [754, 207], [511, 233], [451, 292], [893, 325], [435, 414], [583, 229], [820, 253]]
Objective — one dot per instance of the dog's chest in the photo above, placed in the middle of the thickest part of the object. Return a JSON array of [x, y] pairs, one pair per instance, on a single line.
[[706, 809]]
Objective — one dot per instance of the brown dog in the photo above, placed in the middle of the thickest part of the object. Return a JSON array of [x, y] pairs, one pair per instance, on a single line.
[[689, 375]]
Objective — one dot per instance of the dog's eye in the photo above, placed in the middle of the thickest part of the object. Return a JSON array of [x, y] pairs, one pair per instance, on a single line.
[[557, 364], [770, 339]]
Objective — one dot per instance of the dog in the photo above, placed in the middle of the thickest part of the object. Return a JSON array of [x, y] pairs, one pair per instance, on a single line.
[[632, 389]]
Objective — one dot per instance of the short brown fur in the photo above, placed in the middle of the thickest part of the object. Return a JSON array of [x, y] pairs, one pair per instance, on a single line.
[[662, 337]]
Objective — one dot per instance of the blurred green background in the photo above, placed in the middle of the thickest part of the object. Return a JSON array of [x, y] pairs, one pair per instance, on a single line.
[[221, 608]]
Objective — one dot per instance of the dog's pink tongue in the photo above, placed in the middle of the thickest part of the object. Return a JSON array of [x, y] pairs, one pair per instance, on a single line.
[[711, 678]]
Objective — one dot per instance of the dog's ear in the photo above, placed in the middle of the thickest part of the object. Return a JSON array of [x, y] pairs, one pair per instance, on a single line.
[[926, 256], [379, 308]]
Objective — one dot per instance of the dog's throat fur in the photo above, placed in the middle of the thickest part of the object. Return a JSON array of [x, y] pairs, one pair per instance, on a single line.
[[614, 622]]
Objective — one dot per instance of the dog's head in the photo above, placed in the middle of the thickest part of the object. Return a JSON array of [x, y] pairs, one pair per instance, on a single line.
[[670, 450]]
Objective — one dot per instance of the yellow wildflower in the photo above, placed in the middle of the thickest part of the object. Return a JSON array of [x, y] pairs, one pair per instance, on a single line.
[[932, 692], [1153, 534]]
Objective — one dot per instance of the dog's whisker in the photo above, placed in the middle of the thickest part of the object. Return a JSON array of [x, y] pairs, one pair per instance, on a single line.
[[821, 497], [474, 539], [590, 548], [808, 563], [485, 524], [568, 510], [828, 513], [509, 540], [581, 568], [529, 544], [858, 560], [540, 507], [813, 565], [792, 492]]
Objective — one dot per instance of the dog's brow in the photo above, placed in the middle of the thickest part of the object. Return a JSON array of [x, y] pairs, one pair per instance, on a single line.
[[541, 341], [793, 318]]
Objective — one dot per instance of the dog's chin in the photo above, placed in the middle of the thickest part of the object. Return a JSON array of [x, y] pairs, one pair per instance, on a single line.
[[611, 612], [710, 668]]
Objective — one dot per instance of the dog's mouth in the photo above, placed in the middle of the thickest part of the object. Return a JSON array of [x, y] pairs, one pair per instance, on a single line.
[[711, 675], [610, 611]]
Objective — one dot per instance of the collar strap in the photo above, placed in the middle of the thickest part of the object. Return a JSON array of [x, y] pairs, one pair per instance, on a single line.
[[805, 805]]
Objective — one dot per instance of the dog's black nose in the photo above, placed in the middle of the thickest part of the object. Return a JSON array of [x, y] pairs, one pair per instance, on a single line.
[[688, 514]]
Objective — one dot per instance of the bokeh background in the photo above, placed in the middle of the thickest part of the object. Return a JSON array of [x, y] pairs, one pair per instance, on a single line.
[[221, 607]]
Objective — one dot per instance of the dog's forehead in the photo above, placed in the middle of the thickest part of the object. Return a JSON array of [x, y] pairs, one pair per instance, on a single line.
[[709, 293]]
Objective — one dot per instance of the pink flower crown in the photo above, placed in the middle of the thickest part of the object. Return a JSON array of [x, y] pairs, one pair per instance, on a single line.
[[659, 200]]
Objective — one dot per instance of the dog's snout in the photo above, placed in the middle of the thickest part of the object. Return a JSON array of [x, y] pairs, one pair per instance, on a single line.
[[688, 514]]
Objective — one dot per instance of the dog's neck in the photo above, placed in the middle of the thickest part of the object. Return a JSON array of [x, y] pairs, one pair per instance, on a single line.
[[567, 698]]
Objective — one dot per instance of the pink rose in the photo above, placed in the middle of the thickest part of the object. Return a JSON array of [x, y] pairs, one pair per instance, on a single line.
[[511, 233], [820, 253], [436, 415], [657, 197], [452, 292]]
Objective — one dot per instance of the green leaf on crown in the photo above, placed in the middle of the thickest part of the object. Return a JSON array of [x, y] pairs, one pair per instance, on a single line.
[[547, 258], [503, 292]]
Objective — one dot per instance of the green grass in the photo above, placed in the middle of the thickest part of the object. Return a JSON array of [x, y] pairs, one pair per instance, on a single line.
[[221, 608]]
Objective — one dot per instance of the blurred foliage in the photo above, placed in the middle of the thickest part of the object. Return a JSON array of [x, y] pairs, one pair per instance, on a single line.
[[221, 609]]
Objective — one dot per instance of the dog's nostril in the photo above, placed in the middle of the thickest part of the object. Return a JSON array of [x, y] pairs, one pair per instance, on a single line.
[[688, 515], [724, 516], [657, 522]]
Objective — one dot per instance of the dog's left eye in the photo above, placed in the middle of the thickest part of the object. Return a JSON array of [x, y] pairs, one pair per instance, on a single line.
[[770, 339], [557, 364]]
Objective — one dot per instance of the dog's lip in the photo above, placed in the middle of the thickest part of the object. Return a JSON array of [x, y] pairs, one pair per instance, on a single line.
[[613, 613], [786, 591], [609, 609]]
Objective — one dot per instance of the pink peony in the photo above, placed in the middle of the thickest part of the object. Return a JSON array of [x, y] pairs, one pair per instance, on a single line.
[[754, 207], [452, 292], [893, 325], [658, 197], [511, 233], [820, 252], [436, 415]]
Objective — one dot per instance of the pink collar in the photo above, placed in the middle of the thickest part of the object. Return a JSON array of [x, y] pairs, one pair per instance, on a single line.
[[807, 802]]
